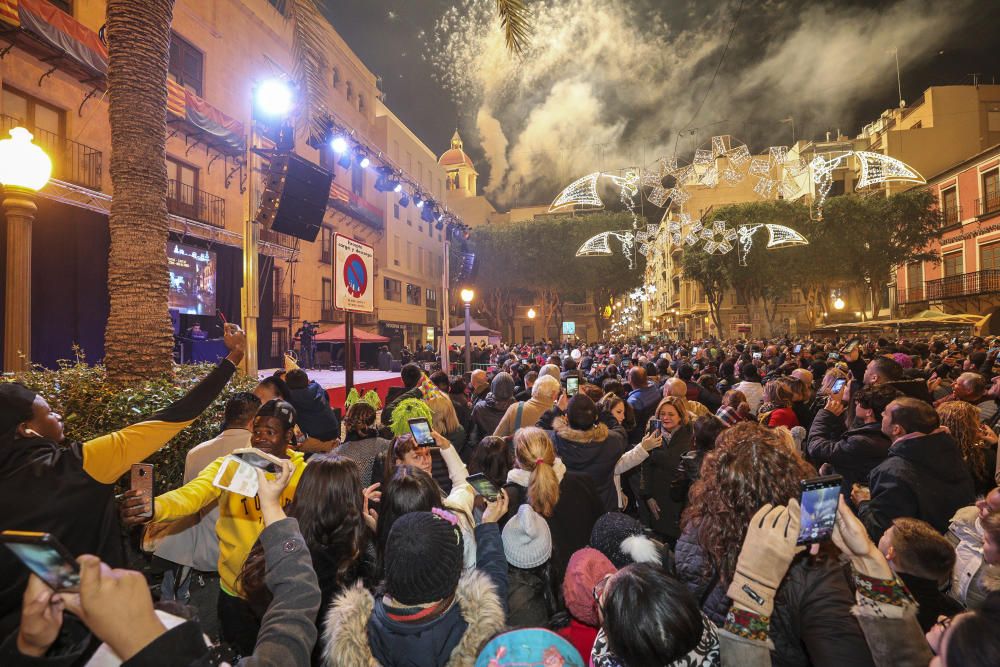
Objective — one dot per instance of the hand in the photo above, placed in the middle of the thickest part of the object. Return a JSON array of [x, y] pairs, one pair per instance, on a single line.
[[371, 494], [442, 442], [563, 401], [651, 442], [835, 404], [497, 509], [116, 606], [133, 506], [853, 355], [988, 435], [767, 553], [936, 633], [236, 342], [269, 492], [654, 508], [41, 618], [860, 494], [851, 538], [933, 382]]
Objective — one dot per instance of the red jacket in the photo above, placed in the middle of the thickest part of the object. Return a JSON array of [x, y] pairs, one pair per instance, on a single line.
[[783, 417], [581, 636]]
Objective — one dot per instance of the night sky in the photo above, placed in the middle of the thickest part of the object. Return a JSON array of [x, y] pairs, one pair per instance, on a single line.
[[626, 100]]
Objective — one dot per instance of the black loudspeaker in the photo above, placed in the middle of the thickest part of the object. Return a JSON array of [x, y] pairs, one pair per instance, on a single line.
[[467, 270], [296, 192]]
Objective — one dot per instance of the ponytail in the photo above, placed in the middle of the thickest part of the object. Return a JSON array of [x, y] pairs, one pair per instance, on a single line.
[[535, 454]]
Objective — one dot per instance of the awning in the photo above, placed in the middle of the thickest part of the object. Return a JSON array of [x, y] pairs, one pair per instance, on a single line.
[[338, 334], [475, 329], [927, 320]]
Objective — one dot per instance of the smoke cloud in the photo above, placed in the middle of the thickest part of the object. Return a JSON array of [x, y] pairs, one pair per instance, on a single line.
[[608, 84]]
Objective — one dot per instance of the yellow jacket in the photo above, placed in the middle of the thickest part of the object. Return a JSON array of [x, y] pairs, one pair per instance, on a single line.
[[240, 522]]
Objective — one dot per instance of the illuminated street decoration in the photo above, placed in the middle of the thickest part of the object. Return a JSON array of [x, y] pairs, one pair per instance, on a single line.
[[599, 245], [780, 236], [822, 169], [580, 193], [718, 238], [877, 169], [647, 239]]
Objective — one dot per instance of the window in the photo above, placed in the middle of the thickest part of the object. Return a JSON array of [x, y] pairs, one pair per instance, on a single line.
[[395, 211], [326, 247], [432, 299], [395, 251], [989, 256], [278, 345], [327, 296], [528, 333], [392, 290], [46, 122], [357, 179], [186, 64], [952, 263], [914, 281], [350, 92], [430, 231], [182, 189], [949, 206], [409, 255], [991, 192], [413, 295], [420, 261], [361, 103], [336, 77], [993, 120]]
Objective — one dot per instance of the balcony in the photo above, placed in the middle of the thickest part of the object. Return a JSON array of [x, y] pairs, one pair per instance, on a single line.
[[988, 205], [910, 294], [281, 306], [72, 162], [189, 202], [277, 238], [951, 215], [964, 284]]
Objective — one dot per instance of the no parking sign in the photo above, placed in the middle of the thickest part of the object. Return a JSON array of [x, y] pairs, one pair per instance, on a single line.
[[355, 264]]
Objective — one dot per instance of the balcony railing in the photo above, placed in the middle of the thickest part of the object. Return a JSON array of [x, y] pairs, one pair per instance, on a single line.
[[964, 284], [281, 306], [329, 315], [951, 215], [988, 204], [189, 202], [910, 294], [277, 238], [71, 161]]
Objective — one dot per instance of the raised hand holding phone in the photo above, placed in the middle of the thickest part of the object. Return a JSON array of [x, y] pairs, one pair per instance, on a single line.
[[269, 491], [41, 618]]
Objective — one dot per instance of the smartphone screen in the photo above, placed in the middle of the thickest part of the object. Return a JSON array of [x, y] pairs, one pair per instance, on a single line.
[[421, 430], [483, 486], [694, 350], [257, 461], [833, 355], [756, 355], [572, 385], [655, 425], [819, 508], [838, 384], [45, 557], [142, 480], [797, 349]]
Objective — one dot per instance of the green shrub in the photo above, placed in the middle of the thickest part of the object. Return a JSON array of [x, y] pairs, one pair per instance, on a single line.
[[92, 406]]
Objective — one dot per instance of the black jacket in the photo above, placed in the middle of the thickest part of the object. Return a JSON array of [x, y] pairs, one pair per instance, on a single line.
[[394, 398], [812, 623], [932, 601], [924, 478], [594, 452], [852, 453], [485, 418], [655, 477], [312, 407]]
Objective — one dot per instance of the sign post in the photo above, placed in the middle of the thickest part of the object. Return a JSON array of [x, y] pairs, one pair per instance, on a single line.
[[354, 267]]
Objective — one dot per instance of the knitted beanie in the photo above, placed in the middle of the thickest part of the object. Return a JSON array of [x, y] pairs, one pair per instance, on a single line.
[[550, 369], [610, 531], [585, 570], [527, 540], [581, 412], [423, 557], [502, 386]]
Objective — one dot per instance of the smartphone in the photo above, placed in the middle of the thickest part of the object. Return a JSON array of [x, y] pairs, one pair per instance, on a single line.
[[757, 355], [694, 350], [45, 557], [820, 496], [833, 355], [654, 425], [483, 486], [421, 430], [838, 384], [257, 459], [142, 480], [572, 385], [797, 349], [851, 346]]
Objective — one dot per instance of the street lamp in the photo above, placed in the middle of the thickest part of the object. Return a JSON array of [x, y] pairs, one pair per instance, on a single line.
[[531, 313], [838, 303], [467, 296], [24, 169]]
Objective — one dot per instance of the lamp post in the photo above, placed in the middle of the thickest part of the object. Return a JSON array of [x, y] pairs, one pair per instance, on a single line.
[[272, 99], [531, 318], [467, 296], [24, 169]]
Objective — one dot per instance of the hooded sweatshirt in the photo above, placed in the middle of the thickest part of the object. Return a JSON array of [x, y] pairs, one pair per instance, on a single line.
[[67, 489], [312, 405], [643, 402]]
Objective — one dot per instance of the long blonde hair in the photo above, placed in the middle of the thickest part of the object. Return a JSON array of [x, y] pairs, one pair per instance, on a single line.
[[534, 453], [445, 419], [962, 420]]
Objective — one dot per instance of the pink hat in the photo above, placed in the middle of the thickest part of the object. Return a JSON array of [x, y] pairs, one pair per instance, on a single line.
[[585, 570]]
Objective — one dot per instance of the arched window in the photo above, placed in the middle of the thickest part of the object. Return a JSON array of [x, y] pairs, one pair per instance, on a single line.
[[361, 103], [350, 92], [336, 77]]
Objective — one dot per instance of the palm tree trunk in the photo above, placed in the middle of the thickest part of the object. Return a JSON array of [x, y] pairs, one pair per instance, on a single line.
[[138, 341]]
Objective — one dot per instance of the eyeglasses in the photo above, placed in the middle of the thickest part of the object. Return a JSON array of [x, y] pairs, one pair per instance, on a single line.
[[944, 622], [600, 587]]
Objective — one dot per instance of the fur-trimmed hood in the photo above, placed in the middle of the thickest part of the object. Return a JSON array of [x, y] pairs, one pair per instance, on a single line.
[[350, 621], [597, 433]]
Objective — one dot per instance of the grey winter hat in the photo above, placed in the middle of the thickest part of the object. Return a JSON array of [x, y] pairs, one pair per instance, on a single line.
[[527, 540], [502, 386]]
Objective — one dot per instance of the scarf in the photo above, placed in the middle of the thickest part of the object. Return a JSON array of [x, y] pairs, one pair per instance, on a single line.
[[705, 654], [522, 477]]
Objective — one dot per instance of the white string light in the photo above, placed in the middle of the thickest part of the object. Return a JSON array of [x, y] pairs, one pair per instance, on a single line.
[[746, 233], [718, 238], [780, 236], [581, 193], [595, 246], [877, 168]]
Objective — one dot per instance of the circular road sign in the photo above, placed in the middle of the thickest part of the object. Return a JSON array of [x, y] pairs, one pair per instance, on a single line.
[[355, 275]]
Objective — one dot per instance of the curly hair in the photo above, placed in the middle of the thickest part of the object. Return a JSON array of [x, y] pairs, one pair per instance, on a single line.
[[749, 467], [962, 420]]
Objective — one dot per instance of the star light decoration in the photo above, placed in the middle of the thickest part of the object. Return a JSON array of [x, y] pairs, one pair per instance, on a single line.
[[776, 173], [708, 170]]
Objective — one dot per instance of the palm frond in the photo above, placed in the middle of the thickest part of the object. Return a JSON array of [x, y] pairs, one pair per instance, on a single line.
[[515, 19], [311, 67]]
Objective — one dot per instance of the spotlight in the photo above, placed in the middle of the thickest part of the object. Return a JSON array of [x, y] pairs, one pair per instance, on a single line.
[[339, 145], [345, 160], [398, 188], [404, 200], [273, 98], [365, 162], [427, 212], [418, 201], [382, 182], [439, 226]]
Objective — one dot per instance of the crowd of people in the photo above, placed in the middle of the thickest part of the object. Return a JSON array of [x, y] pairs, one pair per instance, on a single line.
[[635, 504]]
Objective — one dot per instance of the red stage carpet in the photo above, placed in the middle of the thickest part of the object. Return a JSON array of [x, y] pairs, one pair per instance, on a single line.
[[333, 382]]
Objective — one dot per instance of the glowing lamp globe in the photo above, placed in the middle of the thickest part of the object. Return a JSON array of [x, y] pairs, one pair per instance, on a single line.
[[274, 98], [838, 303], [339, 145], [23, 164], [531, 313], [365, 162], [467, 295]]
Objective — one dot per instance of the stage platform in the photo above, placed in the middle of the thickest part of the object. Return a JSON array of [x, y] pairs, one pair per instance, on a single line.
[[333, 382]]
